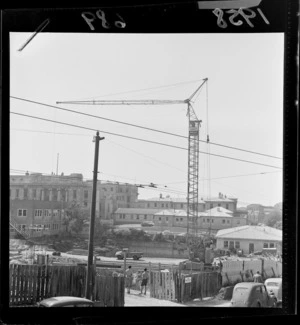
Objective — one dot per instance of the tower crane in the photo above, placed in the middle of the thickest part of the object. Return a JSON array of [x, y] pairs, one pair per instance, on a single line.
[[193, 153]]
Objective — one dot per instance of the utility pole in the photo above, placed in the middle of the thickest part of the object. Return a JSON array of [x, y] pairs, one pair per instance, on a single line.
[[88, 284]]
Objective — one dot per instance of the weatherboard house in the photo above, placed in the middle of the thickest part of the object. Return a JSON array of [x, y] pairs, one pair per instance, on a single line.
[[249, 238]]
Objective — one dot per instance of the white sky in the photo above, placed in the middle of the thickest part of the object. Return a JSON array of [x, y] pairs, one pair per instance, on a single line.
[[245, 108]]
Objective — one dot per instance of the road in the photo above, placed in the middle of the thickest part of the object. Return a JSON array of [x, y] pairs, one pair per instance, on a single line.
[[155, 260]]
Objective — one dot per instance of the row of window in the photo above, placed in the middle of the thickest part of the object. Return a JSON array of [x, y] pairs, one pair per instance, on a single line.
[[46, 193], [40, 213], [231, 244], [236, 244], [39, 227]]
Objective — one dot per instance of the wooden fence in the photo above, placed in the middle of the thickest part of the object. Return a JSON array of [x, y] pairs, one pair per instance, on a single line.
[[174, 285], [197, 285], [32, 283], [162, 285]]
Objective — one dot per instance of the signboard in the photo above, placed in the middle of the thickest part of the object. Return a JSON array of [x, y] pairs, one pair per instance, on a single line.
[[188, 279]]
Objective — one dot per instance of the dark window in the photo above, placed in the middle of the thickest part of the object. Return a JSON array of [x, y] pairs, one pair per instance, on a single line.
[[155, 204], [181, 205], [138, 217], [54, 194], [86, 194], [25, 193], [272, 245], [22, 213], [145, 216], [225, 243], [167, 218], [266, 245], [148, 205], [17, 193], [63, 195], [227, 206], [34, 193], [223, 221], [211, 206], [177, 219], [159, 218], [74, 194], [46, 194], [219, 204], [237, 244], [212, 220], [162, 205], [181, 219]]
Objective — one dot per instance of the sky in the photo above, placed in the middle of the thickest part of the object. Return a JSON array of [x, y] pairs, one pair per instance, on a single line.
[[241, 106]]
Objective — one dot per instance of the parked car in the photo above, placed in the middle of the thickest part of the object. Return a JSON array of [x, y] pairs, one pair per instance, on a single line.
[[147, 224], [274, 285], [135, 255], [252, 294], [66, 301], [56, 253]]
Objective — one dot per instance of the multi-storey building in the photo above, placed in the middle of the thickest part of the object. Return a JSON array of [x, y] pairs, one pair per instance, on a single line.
[[38, 202], [167, 202]]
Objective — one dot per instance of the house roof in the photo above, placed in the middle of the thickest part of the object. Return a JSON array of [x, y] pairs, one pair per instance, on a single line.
[[218, 199], [219, 212], [167, 199], [177, 213], [251, 232], [135, 211]]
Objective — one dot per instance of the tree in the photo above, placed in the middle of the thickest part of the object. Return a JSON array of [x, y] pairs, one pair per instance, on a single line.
[[273, 217], [74, 218]]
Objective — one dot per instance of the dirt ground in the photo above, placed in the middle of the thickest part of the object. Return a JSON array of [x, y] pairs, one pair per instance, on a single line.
[[136, 299]]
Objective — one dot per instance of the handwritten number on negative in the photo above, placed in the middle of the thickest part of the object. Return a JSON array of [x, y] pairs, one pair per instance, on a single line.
[[246, 13], [90, 17]]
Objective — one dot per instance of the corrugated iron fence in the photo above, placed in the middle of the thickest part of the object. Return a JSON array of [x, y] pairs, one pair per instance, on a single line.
[[32, 283], [243, 271]]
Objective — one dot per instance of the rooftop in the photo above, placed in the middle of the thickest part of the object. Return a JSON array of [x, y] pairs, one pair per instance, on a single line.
[[251, 232]]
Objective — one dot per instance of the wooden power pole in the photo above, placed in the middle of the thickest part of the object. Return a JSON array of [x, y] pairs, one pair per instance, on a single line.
[[88, 283]]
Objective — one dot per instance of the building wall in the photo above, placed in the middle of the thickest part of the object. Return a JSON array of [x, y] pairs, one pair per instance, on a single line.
[[37, 213], [64, 191], [244, 244]]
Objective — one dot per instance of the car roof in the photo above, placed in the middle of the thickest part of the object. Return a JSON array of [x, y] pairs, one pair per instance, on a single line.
[[248, 284], [63, 300], [273, 280]]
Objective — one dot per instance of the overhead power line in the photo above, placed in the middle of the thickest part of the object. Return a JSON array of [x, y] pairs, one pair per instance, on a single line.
[[139, 139], [141, 127]]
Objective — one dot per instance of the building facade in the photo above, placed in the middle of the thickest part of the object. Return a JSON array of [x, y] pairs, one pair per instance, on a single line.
[[36, 200], [249, 238]]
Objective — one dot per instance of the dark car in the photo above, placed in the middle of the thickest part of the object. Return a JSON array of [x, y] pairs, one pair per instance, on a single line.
[[56, 253], [66, 301], [252, 294]]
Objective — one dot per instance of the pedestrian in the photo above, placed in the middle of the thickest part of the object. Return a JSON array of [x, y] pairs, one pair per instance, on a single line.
[[128, 279], [145, 277], [257, 277]]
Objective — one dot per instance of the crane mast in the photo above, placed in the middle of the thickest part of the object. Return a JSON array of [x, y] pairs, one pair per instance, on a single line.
[[193, 153]]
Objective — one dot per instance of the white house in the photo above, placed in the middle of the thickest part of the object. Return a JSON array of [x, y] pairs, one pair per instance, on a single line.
[[249, 238]]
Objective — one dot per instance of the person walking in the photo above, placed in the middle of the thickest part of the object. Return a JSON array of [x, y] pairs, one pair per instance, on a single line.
[[257, 277], [145, 277], [129, 275]]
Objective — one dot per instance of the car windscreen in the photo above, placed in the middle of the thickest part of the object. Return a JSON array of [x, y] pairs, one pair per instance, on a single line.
[[272, 284]]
